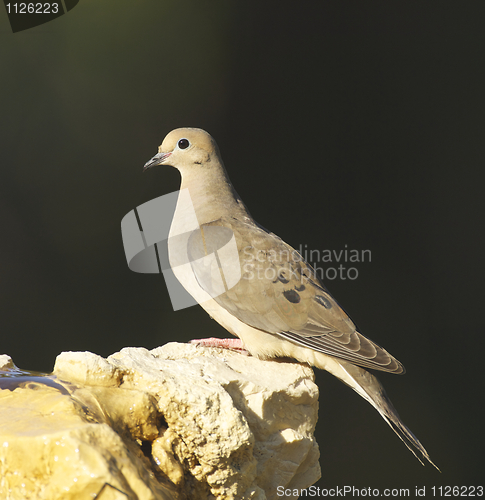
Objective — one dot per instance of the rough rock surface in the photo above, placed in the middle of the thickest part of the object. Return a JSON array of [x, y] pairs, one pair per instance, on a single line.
[[176, 422]]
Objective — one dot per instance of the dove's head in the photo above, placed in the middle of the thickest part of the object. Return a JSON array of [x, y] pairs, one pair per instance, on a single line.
[[195, 154], [185, 148]]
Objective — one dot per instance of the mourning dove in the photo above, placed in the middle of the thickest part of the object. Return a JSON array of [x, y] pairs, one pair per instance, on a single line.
[[277, 307]]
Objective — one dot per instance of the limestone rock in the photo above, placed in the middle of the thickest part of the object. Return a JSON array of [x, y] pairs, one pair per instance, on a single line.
[[52, 448], [179, 421], [6, 362]]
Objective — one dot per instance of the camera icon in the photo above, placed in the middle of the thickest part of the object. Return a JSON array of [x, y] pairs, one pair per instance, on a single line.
[[204, 258]]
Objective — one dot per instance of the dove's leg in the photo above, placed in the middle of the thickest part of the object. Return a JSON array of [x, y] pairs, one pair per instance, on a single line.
[[234, 344]]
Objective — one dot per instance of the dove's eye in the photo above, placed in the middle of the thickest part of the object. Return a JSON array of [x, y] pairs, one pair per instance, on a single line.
[[183, 144]]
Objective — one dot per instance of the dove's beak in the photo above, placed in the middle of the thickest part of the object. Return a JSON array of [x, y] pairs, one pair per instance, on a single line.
[[158, 159]]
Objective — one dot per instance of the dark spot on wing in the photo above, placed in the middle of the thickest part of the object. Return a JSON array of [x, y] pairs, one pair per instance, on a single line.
[[300, 288], [282, 278], [292, 296], [323, 301]]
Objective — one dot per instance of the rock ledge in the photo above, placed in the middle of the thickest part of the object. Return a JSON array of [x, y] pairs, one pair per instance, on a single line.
[[176, 422]]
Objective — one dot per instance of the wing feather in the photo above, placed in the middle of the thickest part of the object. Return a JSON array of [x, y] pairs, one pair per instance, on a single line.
[[280, 293]]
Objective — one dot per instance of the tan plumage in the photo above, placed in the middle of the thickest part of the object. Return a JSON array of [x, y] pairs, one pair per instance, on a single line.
[[278, 307]]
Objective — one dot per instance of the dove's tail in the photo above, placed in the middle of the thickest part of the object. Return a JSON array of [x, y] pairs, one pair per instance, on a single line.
[[365, 384]]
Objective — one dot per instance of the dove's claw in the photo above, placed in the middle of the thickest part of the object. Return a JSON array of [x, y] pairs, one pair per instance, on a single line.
[[233, 344]]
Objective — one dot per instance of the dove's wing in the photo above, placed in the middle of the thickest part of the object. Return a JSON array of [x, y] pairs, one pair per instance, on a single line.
[[279, 293]]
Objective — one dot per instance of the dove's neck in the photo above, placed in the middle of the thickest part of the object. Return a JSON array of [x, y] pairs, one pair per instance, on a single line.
[[212, 194]]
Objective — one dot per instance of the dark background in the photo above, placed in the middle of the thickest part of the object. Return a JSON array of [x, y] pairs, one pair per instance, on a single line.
[[341, 123]]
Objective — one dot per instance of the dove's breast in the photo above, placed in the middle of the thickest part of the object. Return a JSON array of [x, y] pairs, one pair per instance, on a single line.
[[185, 260]]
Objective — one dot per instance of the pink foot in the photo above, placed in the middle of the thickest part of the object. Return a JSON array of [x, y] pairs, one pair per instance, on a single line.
[[233, 344]]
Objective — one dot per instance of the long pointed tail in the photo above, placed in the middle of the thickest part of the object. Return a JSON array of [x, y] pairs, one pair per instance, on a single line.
[[365, 384]]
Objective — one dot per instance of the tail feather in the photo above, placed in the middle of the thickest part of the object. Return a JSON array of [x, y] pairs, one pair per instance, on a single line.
[[365, 384]]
